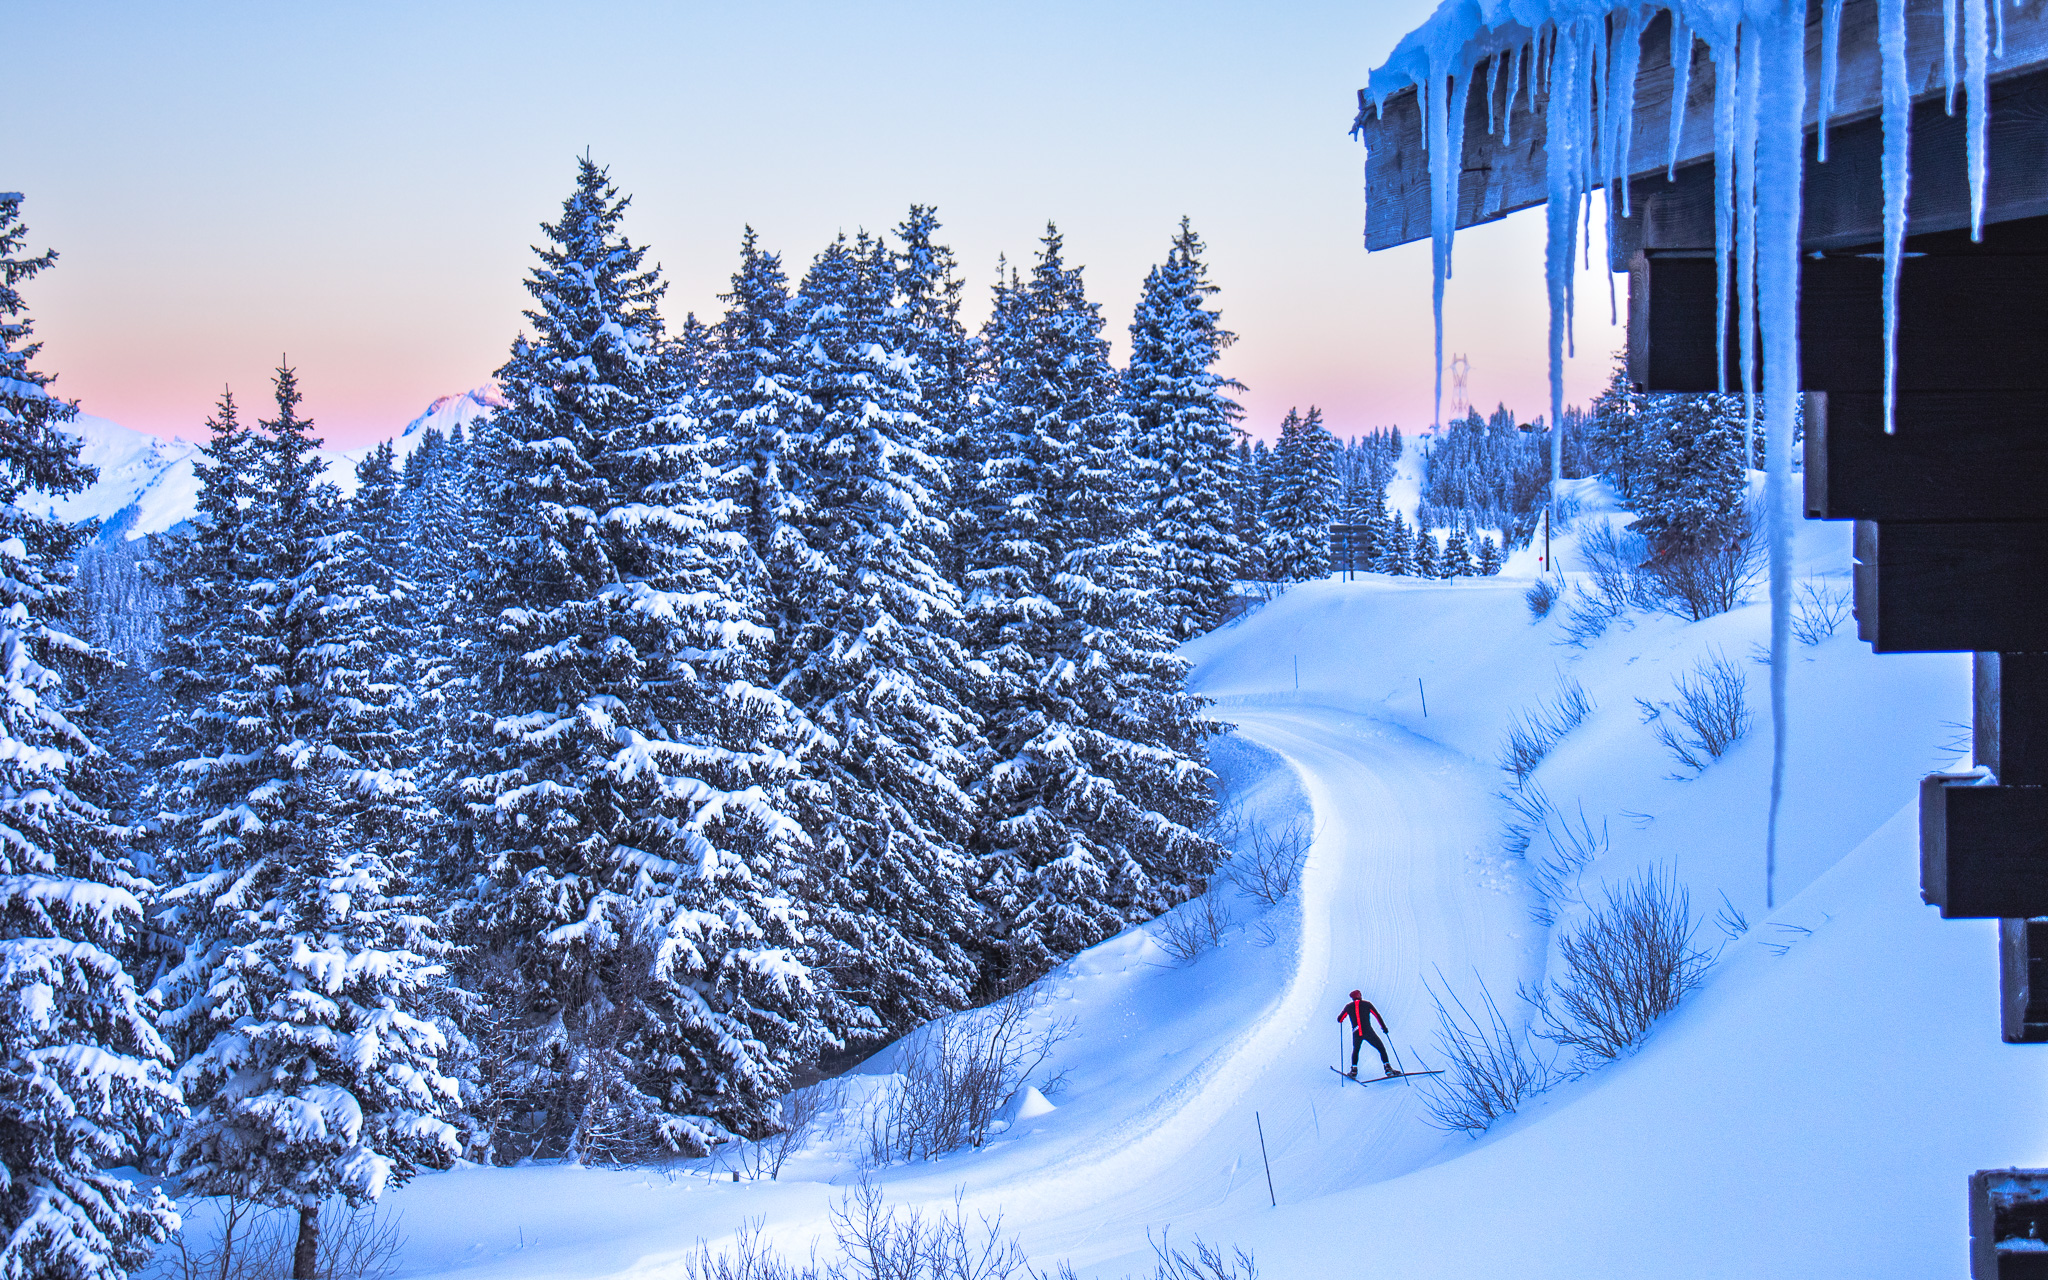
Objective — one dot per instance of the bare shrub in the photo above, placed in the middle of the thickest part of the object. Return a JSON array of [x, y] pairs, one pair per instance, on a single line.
[[1627, 965], [1712, 714], [1269, 866], [955, 1073], [1540, 596], [1193, 927], [1817, 611], [1492, 1068], [1712, 576], [1539, 728], [1572, 849], [797, 1116], [882, 1242], [1530, 806], [256, 1242], [1731, 919]]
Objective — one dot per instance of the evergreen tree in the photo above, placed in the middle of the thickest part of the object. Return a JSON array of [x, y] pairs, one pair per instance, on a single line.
[[625, 763], [1427, 564], [83, 1083], [926, 318], [874, 662], [1184, 429], [1457, 556], [1303, 505], [1097, 776], [1489, 557], [308, 1072], [1399, 558], [1692, 486]]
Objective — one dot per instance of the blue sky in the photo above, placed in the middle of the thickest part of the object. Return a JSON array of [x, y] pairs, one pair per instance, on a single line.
[[356, 184]]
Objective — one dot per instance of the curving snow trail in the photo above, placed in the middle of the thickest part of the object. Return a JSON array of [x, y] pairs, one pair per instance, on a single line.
[[1403, 878]]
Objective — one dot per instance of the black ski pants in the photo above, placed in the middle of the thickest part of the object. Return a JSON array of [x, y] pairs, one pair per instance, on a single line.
[[1359, 1038]]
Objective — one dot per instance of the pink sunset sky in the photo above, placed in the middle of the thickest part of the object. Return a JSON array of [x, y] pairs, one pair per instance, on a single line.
[[355, 185]]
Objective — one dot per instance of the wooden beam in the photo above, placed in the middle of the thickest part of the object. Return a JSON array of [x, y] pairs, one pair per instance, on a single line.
[[2023, 980], [1983, 849], [2008, 1221], [1971, 317], [1951, 588], [1954, 456], [2009, 706], [1497, 179], [1843, 199]]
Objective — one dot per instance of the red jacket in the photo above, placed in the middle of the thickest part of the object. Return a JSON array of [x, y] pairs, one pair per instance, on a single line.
[[1357, 1012]]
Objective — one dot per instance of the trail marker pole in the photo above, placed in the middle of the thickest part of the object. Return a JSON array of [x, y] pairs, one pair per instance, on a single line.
[[1297, 671], [1418, 689], [1263, 1160]]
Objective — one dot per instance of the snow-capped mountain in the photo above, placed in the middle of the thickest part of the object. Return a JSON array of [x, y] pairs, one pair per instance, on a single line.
[[147, 484]]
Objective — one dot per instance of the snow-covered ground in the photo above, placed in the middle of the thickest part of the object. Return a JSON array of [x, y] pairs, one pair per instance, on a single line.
[[1813, 1110], [146, 484]]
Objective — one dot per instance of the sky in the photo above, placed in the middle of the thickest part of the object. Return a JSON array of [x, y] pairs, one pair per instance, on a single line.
[[355, 187]]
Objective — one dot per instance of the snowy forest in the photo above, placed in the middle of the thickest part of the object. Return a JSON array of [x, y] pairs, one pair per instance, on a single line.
[[733, 700]]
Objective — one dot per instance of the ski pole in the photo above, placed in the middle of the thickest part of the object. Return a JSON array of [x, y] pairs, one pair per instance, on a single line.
[[1263, 1160]]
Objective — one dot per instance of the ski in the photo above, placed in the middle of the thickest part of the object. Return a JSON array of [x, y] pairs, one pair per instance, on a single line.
[[1399, 1075]]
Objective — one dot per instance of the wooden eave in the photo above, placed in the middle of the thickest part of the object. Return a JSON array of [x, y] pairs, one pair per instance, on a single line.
[[1498, 179]]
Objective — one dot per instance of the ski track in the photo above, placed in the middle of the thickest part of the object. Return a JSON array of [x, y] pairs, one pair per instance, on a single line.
[[1402, 879]]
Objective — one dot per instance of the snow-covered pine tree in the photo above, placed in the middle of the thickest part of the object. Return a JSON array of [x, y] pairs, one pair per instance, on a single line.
[[749, 404], [1489, 559], [1457, 557], [1426, 559], [1692, 482], [1303, 504], [625, 765], [1398, 555], [1097, 776], [874, 660], [1185, 427], [308, 1073], [83, 1083], [927, 312]]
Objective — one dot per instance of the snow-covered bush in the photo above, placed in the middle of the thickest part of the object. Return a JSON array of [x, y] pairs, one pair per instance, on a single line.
[[1269, 866], [1492, 1069], [954, 1074], [796, 1117], [1539, 728], [1541, 595], [1573, 848], [1817, 610], [1626, 965], [1615, 583], [1713, 708]]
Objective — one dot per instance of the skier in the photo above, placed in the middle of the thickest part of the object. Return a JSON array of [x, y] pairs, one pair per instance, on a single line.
[[1360, 1013]]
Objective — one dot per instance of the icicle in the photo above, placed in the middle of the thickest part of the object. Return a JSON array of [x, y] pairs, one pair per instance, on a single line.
[[1492, 79], [1564, 126], [1976, 55], [1780, 166], [1948, 51], [1998, 26], [1622, 111], [1681, 85], [1724, 198], [1748, 94], [1454, 127], [1830, 62], [1448, 90], [1897, 115], [1507, 125]]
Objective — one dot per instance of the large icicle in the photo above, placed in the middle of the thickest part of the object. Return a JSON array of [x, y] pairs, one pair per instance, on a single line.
[[1681, 85], [1781, 154], [1564, 124], [1976, 72], [1830, 64], [1748, 93], [1897, 114], [1724, 202]]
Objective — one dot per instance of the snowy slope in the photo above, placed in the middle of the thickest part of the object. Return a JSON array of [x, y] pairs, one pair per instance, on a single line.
[[1802, 1114], [146, 484]]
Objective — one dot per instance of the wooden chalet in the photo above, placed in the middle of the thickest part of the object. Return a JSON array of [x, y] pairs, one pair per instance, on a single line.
[[1951, 510]]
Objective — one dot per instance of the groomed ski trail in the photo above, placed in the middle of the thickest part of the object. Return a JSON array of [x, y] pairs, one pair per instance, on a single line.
[[1403, 878]]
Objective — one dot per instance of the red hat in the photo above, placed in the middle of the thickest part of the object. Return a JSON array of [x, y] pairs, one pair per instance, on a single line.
[[1356, 996]]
